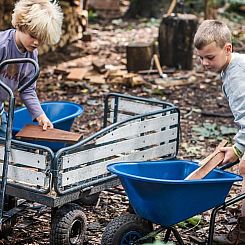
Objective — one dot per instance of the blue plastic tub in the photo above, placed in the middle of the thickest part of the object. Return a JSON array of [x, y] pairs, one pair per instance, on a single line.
[[60, 113], [159, 193]]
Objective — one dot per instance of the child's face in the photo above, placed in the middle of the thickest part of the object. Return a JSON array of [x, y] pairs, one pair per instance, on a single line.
[[26, 42], [214, 58]]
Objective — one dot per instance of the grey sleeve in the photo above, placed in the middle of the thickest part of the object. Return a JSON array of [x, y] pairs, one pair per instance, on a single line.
[[29, 95], [237, 105]]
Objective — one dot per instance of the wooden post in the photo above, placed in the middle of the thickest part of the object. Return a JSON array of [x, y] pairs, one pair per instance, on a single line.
[[139, 56], [176, 33]]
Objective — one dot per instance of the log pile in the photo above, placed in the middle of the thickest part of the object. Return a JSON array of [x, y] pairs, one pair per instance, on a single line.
[[72, 28], [6, 7]]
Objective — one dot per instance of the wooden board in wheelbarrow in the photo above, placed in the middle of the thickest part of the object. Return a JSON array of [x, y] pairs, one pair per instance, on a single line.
[[35, 132]]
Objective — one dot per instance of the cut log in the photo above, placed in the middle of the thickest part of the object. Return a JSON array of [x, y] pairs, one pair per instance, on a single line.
[[175, 40], [139, 56], [35, 132]]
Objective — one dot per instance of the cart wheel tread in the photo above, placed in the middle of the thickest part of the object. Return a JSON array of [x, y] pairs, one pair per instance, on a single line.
[[68, 225], [126, 229]]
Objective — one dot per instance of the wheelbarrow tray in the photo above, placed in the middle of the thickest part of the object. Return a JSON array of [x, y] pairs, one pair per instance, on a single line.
[[158, 192]]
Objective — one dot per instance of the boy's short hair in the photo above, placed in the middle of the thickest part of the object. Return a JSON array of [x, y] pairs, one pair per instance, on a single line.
[[40, 18], [212, 31]]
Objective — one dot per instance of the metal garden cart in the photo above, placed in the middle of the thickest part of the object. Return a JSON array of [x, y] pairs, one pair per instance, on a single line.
[[134, 128]]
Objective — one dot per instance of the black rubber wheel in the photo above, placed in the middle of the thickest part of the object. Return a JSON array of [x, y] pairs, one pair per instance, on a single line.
[[126, 229], [89, 200], [68, 225]]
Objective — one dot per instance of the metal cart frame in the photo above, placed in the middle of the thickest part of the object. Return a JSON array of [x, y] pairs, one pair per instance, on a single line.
[[134, 128]]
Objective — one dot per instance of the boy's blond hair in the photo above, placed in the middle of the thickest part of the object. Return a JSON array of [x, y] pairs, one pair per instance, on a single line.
[[40, 18], [212, 31]]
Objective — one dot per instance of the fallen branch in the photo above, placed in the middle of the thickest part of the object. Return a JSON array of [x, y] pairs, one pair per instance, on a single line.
[[216, 114]]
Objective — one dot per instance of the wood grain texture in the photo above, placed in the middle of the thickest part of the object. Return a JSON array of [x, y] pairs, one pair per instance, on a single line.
[[35, 132], [209, 163]]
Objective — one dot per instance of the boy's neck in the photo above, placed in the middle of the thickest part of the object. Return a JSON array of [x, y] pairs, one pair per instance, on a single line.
[[18, 42], [229, 58]]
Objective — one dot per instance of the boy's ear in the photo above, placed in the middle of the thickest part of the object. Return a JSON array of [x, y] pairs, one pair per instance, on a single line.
[[228, 48]]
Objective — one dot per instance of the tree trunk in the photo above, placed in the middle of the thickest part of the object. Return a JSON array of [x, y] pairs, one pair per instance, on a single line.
[[139, 56], [175, 40], [147, 8]]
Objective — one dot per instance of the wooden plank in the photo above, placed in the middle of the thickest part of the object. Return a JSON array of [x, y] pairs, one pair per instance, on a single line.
[[136, 107], [25, 158], [35, 132], [25, 175], [139, 127], [209, 163], [127, 109], [100, 168], [125, 147], [171, 7], [76, 74]]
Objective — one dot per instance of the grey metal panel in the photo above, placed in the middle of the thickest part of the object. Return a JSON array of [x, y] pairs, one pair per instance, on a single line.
[[94, 170], [25, 158], [25, 175]]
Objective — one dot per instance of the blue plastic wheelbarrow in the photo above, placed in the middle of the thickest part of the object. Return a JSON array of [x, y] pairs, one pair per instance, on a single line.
[[159, 194], [61, 113]]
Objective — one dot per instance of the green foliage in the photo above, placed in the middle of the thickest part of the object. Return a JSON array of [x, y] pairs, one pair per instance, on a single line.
[[92, 16], [198, 5], [212, 130], [235, 5], [193, 221], [208, 130], [192, 149]]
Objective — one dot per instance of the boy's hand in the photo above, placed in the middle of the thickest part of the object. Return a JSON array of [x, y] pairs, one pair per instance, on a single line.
[[230, 155], [44, 122]]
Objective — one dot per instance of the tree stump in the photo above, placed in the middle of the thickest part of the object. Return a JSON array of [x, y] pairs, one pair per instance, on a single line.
[[139, 56], [176, 33]]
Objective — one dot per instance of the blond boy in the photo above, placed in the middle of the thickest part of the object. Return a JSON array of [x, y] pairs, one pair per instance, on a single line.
[[213, 43], [35, 22]]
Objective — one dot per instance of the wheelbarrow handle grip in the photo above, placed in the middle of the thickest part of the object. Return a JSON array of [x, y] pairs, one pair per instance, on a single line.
[[229, 165], [23, 60]]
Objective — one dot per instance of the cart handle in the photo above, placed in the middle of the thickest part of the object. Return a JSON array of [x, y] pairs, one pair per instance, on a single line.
[[23, 60]]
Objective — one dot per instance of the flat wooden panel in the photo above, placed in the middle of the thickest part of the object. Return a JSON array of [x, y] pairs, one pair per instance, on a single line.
[[122, 147], [133, 107], [25, 158], [135, 128], [209, 163], [25, 175], [35, 132], [94, 170], [137, 107], [205, 169]]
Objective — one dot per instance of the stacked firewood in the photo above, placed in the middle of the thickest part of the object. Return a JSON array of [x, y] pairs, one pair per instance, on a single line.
[[6, 8], [72, 26], [72, 29]]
